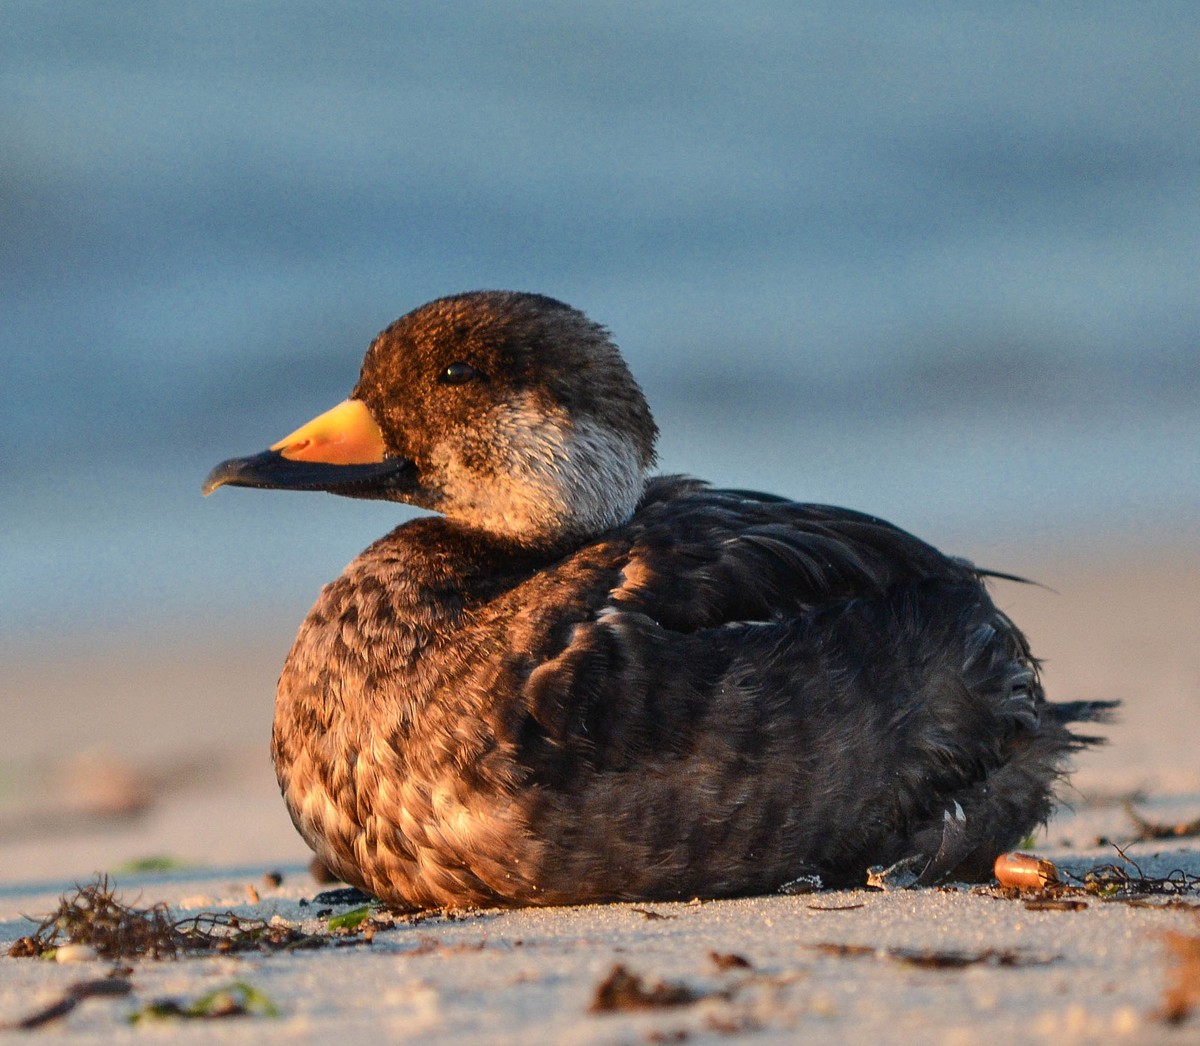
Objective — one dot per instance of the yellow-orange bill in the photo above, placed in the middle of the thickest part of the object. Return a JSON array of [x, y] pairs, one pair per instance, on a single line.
[[344, 435]]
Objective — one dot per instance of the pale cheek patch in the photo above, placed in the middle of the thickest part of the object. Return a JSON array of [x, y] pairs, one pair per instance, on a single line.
[[549, 476]]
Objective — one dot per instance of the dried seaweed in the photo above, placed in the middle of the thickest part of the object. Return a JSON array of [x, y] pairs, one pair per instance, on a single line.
[[227, 933], [623, 990], [94, 917], [934, 959], [842, 951], [938, 959], [730, 961], [1156, 830], [1111, 881]]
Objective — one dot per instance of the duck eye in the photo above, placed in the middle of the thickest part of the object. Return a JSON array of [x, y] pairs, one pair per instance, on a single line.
[[458, 374]]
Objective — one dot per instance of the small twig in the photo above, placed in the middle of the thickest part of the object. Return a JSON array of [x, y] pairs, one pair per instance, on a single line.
[[71, 998], [650, 915]]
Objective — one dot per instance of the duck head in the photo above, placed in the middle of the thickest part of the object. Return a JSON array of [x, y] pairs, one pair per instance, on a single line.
[[513, 414]]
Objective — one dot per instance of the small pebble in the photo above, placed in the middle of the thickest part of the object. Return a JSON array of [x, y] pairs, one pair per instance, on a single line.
[[272, 879], [74, 953]]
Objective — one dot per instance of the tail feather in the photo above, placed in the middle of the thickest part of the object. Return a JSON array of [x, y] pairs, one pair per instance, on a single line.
[[1099, 712]]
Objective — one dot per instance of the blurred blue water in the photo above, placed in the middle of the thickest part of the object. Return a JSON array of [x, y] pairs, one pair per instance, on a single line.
[[935, 262]]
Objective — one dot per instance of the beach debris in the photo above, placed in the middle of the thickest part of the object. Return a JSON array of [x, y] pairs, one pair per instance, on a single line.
[[272, 880], [1116, 882], [103, 987], [933, 959], [92, 922], [834, 907], [236, 999], [1025, 871], [252, 893], [902, 875], [622, 990], [938, 959], [1147, 829], [227, 933], [843, 951], [1055, 904], [93, 918], [346, 895], [350, 920], [802, 884], [66, 953], [151, 864], [1123, 883], [730, 961], [1182, 995], [650, 915]]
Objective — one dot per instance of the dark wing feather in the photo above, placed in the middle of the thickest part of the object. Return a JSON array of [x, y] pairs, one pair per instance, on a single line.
[[701, 558]]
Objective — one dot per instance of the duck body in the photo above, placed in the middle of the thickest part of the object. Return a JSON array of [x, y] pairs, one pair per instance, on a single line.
[[643, 688]]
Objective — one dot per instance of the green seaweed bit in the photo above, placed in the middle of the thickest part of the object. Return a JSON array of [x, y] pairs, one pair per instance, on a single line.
[[236, 999], [350, 920], [157, 863]]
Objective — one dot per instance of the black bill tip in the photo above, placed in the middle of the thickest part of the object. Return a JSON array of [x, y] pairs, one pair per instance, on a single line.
[[270, 470]]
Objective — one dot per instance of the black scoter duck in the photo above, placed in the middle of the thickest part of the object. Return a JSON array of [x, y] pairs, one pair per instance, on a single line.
[[581, 683]]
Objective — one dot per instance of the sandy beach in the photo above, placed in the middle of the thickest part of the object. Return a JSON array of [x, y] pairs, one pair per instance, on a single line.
[[121, 755]]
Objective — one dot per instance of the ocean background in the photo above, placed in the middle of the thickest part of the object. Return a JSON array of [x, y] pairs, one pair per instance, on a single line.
[[936, 262]]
